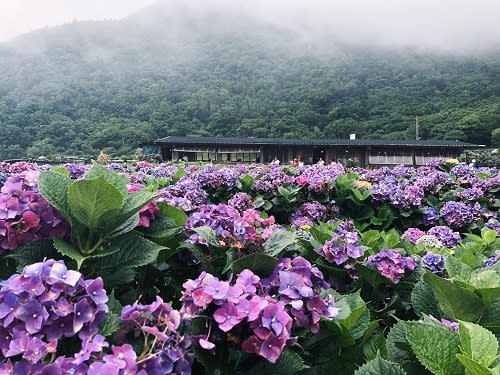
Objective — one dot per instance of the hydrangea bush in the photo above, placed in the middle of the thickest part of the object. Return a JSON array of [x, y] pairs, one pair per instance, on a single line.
[[197, 268]]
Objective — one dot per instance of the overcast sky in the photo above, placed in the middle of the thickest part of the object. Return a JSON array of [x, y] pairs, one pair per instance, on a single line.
[[441, 24]]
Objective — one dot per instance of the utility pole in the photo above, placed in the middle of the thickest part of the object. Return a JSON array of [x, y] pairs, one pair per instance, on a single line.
[[417, 125], [414, 156]]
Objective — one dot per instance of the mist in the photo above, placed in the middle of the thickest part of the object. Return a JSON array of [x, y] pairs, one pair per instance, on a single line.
[[460, 26]]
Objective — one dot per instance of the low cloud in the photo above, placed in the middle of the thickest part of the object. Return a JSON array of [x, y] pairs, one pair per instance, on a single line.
[[448, 25]]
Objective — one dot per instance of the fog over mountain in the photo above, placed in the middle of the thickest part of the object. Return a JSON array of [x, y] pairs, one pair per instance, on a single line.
[[273, 69], [450, 25]]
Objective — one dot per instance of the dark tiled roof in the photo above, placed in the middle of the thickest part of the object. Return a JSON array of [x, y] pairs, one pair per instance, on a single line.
[[311, 142]]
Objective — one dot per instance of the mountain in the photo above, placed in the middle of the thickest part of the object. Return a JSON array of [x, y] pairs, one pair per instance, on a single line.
[[83, 87]]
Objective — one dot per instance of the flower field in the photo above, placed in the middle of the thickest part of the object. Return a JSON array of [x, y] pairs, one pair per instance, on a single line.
[[249, 269]]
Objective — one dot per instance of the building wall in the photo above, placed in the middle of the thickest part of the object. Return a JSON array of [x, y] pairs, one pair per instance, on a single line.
[[365, 156]]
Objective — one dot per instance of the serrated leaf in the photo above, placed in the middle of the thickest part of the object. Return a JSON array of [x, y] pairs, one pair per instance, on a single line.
[[356, 307], [478, 343], [32, 253], [457, 270], [67, 250], [60, 170], [435, 346], [278, 242], [473, 367], [208, 235], [118, 277], [456, 302], [258, 263], [132, 205], [397, 346], [54, 188], [486, 279], [94, 202], [489, 235], [379, 366], [125, 227], [111, 322], [119, 181], [424, 301], [134, 251], [488, 295], [491, 317], [288, 363]]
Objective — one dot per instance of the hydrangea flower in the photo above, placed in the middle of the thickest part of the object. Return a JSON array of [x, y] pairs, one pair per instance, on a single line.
[[170, 351], [45, 303], [457, 214], [448, 237], [412, 234], [307, 213], [344, 245], [430, 216], [186, 194], [149, 212], [433, 262], [262, 310], [428, 240], [231, 228], [241, 201], [25, 216], [391, 264]]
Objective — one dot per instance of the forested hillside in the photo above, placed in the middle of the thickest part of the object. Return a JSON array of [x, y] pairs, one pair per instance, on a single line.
[[88, 86]]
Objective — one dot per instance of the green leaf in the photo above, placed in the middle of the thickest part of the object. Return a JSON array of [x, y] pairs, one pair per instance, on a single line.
[[379, 366], [207, 234], [119, 181], [111, 322], [370, 237], [258, 263], [174, 213], [67, 250], [424, 301], [278, 242], [488, 295], [489, 235], [478, 343], [94, 202], [124, 220], [457, 270], [435, 346], [473, 367], [361, 195], [134, 251], [54, 188], [125, 227], [397, 346], [60, 170], [288, 363], [32, 253], [491, 317], [391, 239], [485, 279], [456, 302], [356, 307]]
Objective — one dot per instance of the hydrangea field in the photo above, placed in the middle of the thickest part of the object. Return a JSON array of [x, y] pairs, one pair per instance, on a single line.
[[249, 269]]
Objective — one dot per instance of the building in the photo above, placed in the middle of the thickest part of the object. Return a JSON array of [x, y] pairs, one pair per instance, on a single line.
[[367, 153]]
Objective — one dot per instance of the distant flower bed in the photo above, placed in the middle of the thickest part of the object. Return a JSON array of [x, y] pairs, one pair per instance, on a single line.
[[180, 268]]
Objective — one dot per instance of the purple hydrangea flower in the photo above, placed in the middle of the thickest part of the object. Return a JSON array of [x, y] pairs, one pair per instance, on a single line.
[[457, 214], [391, 264], [444, 234], [43, 303], [412, 234], [343, 245], [433, 262]]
